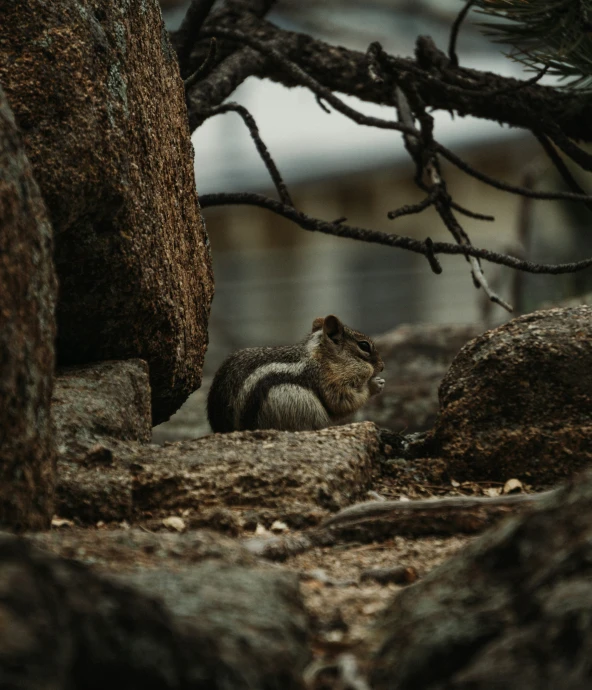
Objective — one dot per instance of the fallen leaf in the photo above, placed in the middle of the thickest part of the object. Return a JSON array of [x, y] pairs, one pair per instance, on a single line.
[[492, 491], [454, 483]]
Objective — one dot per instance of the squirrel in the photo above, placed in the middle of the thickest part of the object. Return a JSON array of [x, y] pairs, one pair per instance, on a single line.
[[311, 385]]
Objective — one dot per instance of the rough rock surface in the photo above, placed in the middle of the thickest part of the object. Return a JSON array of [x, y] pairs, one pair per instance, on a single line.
[[95, 407], [416, 358], [517, 401], [27, 330], [96, 92], [512, 610], [95, 403], [66, 626], [225, 480], [256, 618]]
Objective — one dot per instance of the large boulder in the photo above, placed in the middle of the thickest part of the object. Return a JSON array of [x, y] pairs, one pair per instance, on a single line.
[[517, 400], [96, 92], [27, 330], [221, 626], [512, 610]]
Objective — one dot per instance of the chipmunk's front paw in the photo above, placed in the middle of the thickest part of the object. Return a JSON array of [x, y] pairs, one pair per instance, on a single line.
[[376, 385]]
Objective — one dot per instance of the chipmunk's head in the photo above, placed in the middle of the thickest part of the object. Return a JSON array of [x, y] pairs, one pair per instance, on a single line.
[[344, 347]]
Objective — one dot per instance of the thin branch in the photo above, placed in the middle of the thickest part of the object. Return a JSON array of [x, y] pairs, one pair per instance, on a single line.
[[517, 87], [454, 32], [435, 265], [321, 105], [185, 37], [561, 167], [376, 509], [204, 68], [471, 214], [462, 238], [409, 209], [263, 151], [376, 237], [482, 281], [422, 151], [504, 186]]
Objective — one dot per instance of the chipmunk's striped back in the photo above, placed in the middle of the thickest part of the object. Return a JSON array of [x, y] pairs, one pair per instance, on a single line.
[[297, 387]]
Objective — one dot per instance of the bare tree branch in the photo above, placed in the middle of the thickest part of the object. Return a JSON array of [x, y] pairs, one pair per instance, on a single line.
[[204, 68], [440, 85], [338, 229], [453, 57], [249, 121], [184, 39], [250, 45], [561, 167], [512, 189], [381, 520], [301, 77]]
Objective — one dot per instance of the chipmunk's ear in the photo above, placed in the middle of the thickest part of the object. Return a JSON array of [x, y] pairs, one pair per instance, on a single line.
[[333, 328], [317, 324]]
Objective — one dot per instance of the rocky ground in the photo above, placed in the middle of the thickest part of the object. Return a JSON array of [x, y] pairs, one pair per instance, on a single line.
[[284, 554]]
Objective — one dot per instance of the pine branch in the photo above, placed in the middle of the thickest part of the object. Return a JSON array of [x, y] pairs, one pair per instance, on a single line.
[[554, 34]]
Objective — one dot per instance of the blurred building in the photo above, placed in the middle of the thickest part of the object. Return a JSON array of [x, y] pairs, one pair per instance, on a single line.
[[273, 278]]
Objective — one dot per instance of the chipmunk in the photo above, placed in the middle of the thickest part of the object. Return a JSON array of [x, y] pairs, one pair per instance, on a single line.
[[317, 382]]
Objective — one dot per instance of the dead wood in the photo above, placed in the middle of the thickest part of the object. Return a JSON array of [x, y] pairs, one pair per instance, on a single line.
[[381, 520]]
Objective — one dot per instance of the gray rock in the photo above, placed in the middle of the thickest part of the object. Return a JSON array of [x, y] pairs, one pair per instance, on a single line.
[[27, 330], [64, 625], [517, 400], [258, 476], [95, 403], [98, 98], [262, 475], [96, 407], [512, 610], [256, 618]]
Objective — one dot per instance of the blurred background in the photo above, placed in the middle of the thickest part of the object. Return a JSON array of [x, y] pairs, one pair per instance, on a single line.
[[272, 278]]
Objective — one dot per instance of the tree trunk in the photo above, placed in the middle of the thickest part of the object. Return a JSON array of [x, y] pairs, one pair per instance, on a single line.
[[27, 331]]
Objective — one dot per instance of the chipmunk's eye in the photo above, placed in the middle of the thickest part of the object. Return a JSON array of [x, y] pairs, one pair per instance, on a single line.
[[365, 346]]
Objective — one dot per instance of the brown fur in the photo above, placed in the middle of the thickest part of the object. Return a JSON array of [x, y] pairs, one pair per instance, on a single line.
[[297, 387], [345, 371]]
